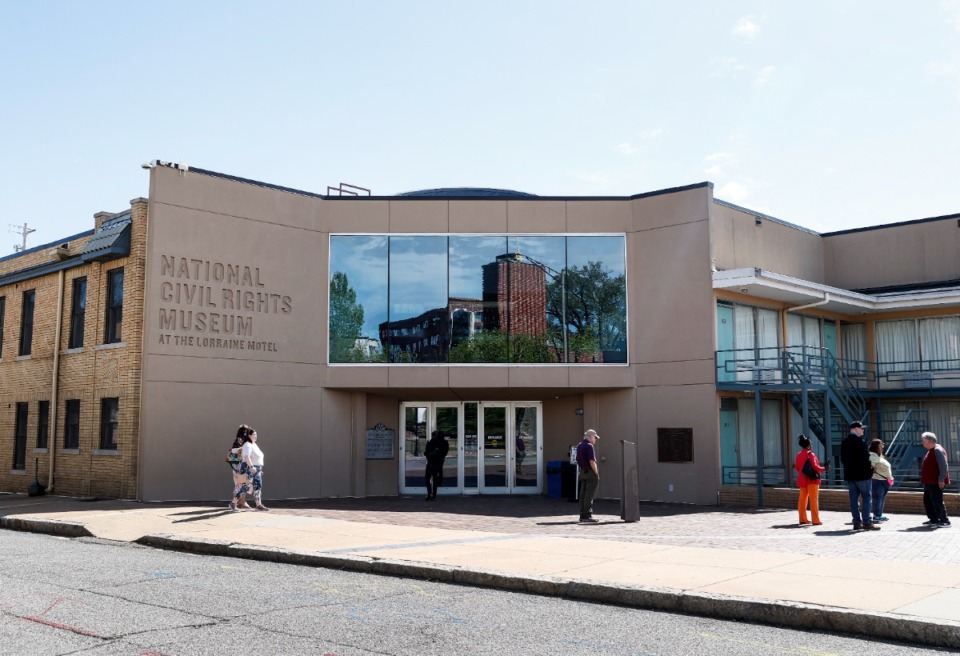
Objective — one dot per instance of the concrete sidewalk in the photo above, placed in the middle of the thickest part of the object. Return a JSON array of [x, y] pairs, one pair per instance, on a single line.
[[900, 583]]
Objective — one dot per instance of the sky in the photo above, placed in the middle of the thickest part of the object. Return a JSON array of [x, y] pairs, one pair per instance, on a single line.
[[827, 114]]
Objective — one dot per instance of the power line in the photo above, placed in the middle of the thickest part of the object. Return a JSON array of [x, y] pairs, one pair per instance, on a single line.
[[23, 231]]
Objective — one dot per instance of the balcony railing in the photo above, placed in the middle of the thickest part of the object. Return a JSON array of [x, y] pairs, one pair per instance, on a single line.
[[816, 367]]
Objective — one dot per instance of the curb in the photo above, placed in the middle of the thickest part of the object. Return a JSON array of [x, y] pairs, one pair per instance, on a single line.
[[784, 614], [48, 526]]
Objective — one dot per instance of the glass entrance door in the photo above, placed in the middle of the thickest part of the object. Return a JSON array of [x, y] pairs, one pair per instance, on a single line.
[[495, 477], [447, 420], [494, 448], [416, 427], [511, 448]]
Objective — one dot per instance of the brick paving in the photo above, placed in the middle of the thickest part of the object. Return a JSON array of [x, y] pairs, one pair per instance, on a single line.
[[901, 539]]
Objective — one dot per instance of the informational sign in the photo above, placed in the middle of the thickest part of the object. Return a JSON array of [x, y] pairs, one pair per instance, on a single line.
[[380, 443], [675, 444]]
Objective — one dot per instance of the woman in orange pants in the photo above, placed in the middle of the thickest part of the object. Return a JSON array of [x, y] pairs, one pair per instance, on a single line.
[[809, 487]]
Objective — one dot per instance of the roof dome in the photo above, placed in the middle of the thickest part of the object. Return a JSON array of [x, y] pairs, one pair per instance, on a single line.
[[466, 192]]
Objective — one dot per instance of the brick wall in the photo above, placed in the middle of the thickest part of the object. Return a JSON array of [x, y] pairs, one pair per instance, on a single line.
[[88, 374], [830, 499], [518, 291]]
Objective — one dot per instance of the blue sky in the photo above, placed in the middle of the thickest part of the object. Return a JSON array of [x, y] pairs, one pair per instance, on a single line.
[[830, 115]]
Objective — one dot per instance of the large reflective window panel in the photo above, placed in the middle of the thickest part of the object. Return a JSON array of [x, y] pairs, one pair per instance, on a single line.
[[595, 304], [464, 299], [473, 339], [527, 282], [358, 297], [418, 326]]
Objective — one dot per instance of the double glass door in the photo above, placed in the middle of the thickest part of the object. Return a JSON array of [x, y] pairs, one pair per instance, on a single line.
[[494, 448]]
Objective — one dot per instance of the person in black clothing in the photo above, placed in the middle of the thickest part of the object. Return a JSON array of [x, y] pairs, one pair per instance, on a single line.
[[857, 472], [435, 452]]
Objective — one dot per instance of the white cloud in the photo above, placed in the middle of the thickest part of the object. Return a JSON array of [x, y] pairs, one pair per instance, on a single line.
[[596, 179], [948, 70], [722, 66], [765, 74], [733, 192], [721, 157], [951, 8], [718, 163], [626, 148], [653, 133], [745, 27]]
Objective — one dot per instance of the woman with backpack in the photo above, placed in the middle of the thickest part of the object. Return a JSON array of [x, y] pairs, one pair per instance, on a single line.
[[808, 480]]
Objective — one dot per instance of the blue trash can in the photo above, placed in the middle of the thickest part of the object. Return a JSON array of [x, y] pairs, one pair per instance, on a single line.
[[553, 478]]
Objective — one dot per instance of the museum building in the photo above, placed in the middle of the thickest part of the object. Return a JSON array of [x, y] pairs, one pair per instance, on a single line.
[[347, 329]]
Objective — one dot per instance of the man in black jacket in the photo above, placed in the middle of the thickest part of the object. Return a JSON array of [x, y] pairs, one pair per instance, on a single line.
[[857, 472], [435, 452]]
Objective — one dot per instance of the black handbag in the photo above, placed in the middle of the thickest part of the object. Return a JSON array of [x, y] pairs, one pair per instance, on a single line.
[[808, 470]]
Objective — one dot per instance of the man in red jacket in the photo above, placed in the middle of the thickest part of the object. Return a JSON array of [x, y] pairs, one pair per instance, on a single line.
[[935, 476]]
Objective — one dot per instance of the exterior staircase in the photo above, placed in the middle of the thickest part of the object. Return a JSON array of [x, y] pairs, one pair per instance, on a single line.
[[901, 430]]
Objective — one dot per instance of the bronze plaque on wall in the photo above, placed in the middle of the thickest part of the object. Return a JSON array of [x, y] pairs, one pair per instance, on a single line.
[[675, 444]]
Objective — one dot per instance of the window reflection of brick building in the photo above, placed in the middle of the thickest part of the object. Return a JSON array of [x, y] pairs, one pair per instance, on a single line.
[[515, 294], [514, 300]]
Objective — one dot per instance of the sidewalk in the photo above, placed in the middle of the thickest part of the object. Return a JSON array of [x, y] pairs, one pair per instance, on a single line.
[[899, 583]]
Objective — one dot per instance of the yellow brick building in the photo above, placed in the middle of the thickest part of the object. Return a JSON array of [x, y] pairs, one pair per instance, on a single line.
[[70, 415]]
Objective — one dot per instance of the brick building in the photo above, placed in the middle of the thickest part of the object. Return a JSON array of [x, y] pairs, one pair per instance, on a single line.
[[71, 322], [515, 288]]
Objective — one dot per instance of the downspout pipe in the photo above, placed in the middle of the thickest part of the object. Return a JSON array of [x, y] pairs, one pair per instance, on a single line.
[[823, 301], [54, 385]]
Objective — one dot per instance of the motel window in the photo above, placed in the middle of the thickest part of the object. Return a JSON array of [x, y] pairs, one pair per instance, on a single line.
[[71, 432], [931, 344], [26, 322], [114, 318], [78, 311], [43, 424], [3, 305], [748, 343], [478, 299], [109, 418], [20, 437], [739, 431], [853, 341]]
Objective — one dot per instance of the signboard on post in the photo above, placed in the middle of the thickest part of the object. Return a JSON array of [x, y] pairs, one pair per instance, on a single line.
[[380, 443]]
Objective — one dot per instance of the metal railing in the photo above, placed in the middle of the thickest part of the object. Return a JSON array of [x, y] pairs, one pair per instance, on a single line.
[[817, 366]]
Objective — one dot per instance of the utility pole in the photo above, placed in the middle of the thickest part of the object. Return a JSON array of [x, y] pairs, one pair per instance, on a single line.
[[23, 231]]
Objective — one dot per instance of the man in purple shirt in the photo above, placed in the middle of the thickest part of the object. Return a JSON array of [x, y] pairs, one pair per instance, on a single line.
[[589, 475]]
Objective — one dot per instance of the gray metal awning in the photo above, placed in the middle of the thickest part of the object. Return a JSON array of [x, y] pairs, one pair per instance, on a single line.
[[803, 293], [111, 241]]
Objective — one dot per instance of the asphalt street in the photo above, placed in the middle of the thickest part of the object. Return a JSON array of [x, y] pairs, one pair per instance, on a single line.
[[104, 598]]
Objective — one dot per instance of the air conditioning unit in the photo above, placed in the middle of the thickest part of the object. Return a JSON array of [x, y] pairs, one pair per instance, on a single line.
[[61, 252]]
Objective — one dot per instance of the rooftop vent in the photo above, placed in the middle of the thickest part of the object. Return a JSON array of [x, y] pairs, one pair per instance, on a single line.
[[347, 190]]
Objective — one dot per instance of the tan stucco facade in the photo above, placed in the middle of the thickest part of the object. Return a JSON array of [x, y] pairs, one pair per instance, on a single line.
[[312, 417]]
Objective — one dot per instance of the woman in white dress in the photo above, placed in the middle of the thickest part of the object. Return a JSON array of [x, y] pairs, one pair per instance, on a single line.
[[251, 465]]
